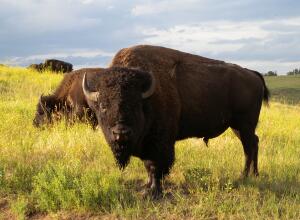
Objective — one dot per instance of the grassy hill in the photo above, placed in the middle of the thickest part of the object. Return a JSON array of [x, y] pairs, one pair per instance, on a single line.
[[69, 172], [285, 89]]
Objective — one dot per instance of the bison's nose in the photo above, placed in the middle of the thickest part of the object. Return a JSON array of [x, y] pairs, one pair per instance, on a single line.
[[121, 133]]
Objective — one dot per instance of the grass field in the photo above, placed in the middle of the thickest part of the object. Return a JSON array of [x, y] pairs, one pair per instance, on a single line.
[[285, 89], [69, 172]]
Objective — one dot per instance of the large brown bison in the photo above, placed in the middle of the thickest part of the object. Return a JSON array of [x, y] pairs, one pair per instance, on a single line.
[[67, 101], [152, 96]]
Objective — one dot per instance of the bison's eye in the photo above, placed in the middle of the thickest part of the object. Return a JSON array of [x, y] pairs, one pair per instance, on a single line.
[[102, 108]]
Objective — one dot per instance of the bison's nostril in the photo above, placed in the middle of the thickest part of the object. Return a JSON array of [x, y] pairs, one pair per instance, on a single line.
[[117, 137], [121, 133]]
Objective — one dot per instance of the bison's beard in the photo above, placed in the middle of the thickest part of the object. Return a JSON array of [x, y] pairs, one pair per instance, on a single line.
[[122, 156]]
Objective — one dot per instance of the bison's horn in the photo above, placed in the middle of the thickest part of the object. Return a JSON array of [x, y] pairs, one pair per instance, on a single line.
[[93, 96], [151, 89], [40, 100]]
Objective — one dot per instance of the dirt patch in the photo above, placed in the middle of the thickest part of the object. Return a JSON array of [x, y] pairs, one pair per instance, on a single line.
[[5, 213]]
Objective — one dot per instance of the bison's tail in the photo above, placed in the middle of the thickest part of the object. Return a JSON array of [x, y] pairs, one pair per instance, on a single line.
[[267, 94]]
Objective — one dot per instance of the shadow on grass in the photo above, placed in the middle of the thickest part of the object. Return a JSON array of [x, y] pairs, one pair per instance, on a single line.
[[280, 187], [289, 96], [200, 179], [203, 179]]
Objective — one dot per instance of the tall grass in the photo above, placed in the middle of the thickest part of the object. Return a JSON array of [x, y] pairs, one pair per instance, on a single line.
[[70, 171]]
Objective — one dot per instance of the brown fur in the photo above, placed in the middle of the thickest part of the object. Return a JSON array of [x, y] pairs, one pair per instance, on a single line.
[[205, 92], [194, 97], [67, 101]]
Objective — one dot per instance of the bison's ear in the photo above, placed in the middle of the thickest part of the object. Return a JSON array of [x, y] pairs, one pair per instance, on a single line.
[[48, 103], [46, 99], [149, 85], [43, 103], [42, 100]]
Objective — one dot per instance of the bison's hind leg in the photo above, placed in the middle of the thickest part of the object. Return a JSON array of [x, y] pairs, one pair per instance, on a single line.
[[255, 157], [250, 144]]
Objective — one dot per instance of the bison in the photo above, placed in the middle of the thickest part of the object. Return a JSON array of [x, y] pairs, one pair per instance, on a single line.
[[152, 96], [57, 66], [67, 100]]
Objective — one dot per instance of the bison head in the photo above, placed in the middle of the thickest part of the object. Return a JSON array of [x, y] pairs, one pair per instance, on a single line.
[[45, 111], [119, 96]]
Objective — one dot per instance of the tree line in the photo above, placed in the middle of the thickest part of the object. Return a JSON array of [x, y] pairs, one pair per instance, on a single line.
[[294, 72]]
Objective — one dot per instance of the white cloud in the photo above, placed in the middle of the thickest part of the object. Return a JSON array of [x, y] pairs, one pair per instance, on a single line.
[[240, 41], [204, 37], [245, 31], [51, 15], [87, 1], [156, 7], [73, 53], [80, 53], [265, 66]]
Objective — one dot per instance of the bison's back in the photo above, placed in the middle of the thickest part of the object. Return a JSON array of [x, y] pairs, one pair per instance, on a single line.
[[137, 55]]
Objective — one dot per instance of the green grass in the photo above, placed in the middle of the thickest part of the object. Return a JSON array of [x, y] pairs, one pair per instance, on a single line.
[[69, 172], [285, 89]]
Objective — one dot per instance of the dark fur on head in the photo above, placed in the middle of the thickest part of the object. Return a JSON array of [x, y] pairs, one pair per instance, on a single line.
[[47, 110], [120, 103]]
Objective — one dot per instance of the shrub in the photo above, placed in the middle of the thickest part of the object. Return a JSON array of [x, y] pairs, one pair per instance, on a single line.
[[271, 73], [293, 72]]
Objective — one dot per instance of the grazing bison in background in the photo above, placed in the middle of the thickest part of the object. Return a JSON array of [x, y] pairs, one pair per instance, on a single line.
[[53, 65], [67, 101], [57, 66], [152, 96]]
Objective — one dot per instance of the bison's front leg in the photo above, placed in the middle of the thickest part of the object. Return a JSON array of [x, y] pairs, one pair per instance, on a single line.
[[157, 169], [154, 179]]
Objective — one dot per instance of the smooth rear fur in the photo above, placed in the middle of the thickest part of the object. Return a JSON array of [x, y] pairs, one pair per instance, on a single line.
[[194, 97], [67, 101]]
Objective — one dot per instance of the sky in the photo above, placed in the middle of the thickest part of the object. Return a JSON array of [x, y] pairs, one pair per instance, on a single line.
[[262, 35]]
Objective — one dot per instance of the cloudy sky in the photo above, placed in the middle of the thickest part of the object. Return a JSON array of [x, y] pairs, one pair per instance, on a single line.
[[259, 34]]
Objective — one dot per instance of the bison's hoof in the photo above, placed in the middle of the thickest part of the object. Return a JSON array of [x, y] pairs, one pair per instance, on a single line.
[[256, 174], [147, 185], [154, 194]]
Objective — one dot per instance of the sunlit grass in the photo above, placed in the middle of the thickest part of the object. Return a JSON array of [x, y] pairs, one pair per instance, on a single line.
[[62, 170]]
